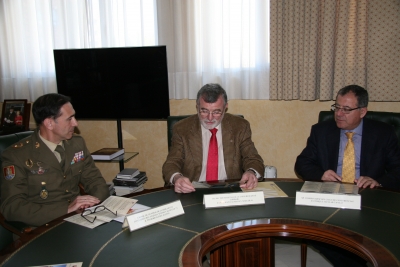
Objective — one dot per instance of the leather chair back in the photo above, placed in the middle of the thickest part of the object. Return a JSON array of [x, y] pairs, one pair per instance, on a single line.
[[391, 118], [171, 120]]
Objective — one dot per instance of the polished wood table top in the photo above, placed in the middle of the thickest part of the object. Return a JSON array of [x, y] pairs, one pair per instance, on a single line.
[[375, 227]]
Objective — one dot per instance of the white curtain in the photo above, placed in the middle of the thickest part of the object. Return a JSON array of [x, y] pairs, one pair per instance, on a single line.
[[210, 41], [224, 42], [31, 29]]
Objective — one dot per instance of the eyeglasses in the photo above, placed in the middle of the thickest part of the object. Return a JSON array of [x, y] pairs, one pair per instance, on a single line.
[[345, 110], [97, 209], [206, 112]]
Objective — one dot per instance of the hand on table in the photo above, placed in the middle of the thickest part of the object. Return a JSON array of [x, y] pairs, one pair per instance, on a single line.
[[183, 185], [365, 181], [331, 176], [83, 202], [249, 180]]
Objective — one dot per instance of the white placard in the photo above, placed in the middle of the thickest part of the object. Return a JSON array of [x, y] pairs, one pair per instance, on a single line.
[[233, 199], [343, 201], [148, 217]]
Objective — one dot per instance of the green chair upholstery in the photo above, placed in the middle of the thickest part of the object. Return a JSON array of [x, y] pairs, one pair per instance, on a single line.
[[171, 120], [8, 228], [391, 118], [6, 238]]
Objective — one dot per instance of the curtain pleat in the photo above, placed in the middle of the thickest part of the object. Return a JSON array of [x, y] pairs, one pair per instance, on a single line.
[[318, 47]]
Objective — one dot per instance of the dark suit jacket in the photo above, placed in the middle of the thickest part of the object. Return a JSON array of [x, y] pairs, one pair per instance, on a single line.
[[380, 153], [35, 163], [186, 152]]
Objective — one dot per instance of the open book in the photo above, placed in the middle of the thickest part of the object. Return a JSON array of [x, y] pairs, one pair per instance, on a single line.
[[113, 204], [329, 187], [270, 189]]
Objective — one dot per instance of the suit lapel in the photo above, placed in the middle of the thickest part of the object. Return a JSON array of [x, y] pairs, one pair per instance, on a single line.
[[69, 153], [228, 142], [333, 138], [196, 147], [369, 138]]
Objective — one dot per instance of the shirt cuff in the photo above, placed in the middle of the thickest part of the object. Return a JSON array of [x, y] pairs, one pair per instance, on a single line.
[[255, 172], [171, 180]]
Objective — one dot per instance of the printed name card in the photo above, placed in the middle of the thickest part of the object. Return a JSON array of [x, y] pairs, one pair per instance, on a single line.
[[233, 199], [148, 217], [343, 201]]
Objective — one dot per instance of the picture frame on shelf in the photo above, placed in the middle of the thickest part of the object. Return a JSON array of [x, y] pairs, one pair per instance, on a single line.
[[15, 116]]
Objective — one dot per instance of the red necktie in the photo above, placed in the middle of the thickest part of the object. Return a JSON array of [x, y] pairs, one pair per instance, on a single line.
[[212, 161]]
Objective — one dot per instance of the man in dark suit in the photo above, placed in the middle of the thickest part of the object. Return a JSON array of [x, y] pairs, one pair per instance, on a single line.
[[40, 182], [376, 145], [377, 156], [188, 159]]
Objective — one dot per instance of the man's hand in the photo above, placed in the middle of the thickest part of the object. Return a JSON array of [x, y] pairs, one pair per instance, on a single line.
[[365, 181], [83, 202], [249, 180], [182, 184], [331, 176]]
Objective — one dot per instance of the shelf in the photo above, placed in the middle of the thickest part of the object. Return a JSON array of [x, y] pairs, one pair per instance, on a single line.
[[127, 156]]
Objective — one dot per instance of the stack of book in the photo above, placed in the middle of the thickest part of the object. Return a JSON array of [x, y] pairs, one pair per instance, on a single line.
[[129, 181], [107, 153], [111, 189]]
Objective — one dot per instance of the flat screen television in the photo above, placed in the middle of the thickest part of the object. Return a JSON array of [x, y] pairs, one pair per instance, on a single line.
[[115, 83]]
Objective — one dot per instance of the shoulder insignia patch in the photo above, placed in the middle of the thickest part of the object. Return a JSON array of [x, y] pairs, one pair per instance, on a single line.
[[9, 172]]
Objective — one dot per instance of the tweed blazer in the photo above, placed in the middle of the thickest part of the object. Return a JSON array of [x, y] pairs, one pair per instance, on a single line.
[[380, 153], [29, 163], [186, 152]]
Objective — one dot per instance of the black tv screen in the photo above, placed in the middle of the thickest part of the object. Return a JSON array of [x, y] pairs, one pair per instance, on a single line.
[[115, 83]]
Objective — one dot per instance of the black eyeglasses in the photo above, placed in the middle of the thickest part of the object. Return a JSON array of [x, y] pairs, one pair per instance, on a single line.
[[345, 110], [97, 209], [206, 112]]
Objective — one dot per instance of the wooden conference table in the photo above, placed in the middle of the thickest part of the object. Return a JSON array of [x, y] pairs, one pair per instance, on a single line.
[[181, 241]]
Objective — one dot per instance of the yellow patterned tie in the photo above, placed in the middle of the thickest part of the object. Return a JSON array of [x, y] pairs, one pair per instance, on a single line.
[[349, 162]]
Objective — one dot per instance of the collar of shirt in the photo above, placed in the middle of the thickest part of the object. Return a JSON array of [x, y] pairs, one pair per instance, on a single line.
[[49, 144], [52, 146], [207, 133], [357, 130]]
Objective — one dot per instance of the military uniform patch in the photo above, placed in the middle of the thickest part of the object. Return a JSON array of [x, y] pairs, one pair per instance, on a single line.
[[78, 157], [41, 170], [9, 172]]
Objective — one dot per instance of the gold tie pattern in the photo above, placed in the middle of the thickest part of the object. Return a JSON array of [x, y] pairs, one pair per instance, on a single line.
[[349, 162]]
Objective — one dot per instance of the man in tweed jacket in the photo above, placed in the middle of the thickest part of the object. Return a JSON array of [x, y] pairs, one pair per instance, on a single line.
[[187, 159]]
